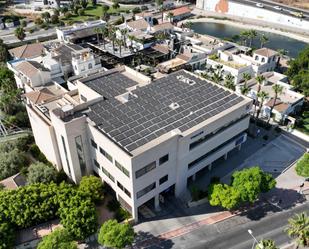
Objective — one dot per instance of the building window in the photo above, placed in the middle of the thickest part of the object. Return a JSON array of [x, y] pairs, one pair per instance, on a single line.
[[83, 98], [145, 190], [80, 154], [95, 162], [105, 172], [66, 154], [108, 156], [123, 189], [89, 66], [145, 170], [94, 144], [163, 159], [123, 169], [124, 204], [256, 58], [163, 179], [263, 59]]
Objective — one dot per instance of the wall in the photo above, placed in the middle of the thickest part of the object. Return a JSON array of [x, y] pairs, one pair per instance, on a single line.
[[241, 10]]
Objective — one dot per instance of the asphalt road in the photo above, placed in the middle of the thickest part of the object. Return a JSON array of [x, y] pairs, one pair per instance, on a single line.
[[286, 10], [233, 233]]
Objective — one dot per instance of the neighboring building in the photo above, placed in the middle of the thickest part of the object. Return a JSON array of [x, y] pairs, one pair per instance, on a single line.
[[139, 40], [266, 60], [166, 28], [30, 74], [28, 51], [147, 16], [287, 103], [144, 139], [79, 33], [177, 14], [137, 25]]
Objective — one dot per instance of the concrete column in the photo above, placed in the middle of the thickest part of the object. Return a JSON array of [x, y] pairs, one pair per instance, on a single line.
[[225, 156], [210, 166], [194, 177], [157, 203]]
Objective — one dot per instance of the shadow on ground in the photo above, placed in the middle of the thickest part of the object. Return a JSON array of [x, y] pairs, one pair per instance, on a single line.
[[149, 241]]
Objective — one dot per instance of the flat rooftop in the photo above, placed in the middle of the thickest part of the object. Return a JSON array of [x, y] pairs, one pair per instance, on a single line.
[[180, 100]]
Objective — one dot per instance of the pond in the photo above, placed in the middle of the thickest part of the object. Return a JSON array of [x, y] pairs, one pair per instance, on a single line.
[[292, 46]]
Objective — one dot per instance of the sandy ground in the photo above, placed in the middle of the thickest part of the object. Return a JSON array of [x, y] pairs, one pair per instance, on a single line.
[[251, 26]]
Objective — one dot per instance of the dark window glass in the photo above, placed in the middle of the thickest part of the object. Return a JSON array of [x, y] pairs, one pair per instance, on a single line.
[[108, 156], [145, 190], [163, 179], [163, 159], [145, 170], [94, 144]]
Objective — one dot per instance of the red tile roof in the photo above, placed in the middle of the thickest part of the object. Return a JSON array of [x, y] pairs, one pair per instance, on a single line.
[[180, 11]]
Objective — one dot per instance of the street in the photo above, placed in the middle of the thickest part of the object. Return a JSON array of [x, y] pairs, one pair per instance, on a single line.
[[233, 233]]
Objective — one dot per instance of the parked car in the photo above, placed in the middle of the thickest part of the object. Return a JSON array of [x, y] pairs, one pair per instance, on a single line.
[[260, 5], [277, 8]]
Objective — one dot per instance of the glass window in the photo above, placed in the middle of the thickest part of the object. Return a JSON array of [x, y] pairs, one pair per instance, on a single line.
[[123, 169], [146, 190], [89, 66], [105, 172], [95, 162], [108, 156], [163, 159], [123, 189], [163, 179], [66, 154], [80, 154], [145, 170], [94, 144]]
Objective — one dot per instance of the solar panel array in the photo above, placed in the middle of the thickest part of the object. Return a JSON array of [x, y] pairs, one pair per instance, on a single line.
[[149, 115]]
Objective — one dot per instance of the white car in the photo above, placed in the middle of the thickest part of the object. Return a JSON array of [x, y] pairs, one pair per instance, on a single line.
[[277, 8], [260, 5]]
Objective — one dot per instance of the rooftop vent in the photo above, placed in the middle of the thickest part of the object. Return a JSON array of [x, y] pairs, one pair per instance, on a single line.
[[174, 106], [186, 80]]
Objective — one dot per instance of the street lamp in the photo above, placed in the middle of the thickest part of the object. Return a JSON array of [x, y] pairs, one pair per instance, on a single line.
[[255, 240]]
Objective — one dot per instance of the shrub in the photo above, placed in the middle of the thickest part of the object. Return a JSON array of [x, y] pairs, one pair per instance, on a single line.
[[59, 238], [11, 162], [37, 154], [91, 187], [81, 12], [54, 19], [122, 214], [23, 23], [68, 15], [136, 10], [302, 166], [7, 236], [40, 172], [113, 205], [38, 21]]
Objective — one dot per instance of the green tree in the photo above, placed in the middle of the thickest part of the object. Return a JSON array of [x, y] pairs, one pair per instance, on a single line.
[[78, 215], [252, 35], [54, 19], [245, 89], [83, 3], [11, 162], [115, 4], [250, 182], [4, 55], [278, 90], [116, 235], [45, 16], [91, 187], [58, 239], [263, 39], [41, 172], [229, 82], [7, 236], [261, 96], [94, 2], [20, 33], [105, 15], [302, 166], [298, 71], [266, 244], [223, 195], [298, 228]]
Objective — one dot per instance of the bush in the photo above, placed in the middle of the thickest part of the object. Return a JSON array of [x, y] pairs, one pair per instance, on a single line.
[[113, 205], [59, 238], [38, 21], [7, 236], [54, 19], [68, 15], [81, 12], [302, 166], [122, 214], [11, 162], [136, 10], [40, 172], [23, 23], [37, 154]]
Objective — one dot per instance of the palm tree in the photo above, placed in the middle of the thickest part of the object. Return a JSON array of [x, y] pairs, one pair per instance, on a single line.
[[266, 244], [112, 35], [244, 36], [262, 96], [170, 16], [263, 39], [259, 79], [278, 90], [245, 88], [105, 15], [159, 4], [188, 25], [229, 82], [252, 34], [124, 33], [104, 33], [299, 228], [20, 33], [119, 42], [115, 4], [216, 77], [97, 30]]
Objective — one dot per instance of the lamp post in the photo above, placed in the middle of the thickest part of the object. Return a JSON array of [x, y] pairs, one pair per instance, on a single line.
[[255, 240]]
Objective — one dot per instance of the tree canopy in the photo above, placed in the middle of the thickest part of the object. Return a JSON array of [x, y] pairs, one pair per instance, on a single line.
[[41, 172], [116, 235], [266, 244], [302, 166], [223, 195], [299, 228], [7, 236], [60, 239], [298, 71], [11, 162], [92, 187], [251, 182]]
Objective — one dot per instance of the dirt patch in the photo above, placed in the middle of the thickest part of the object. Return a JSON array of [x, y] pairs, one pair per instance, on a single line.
[[295, 3]]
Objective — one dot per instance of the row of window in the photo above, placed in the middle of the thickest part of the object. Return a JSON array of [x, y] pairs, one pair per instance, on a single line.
[[110, 158], [151, 187], [123, 189], [149, 167]]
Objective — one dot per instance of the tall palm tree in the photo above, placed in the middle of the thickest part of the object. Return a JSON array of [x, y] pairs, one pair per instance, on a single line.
[[261, 96], [266, 244], [299, 228], [245, 88], [112, 35], [229, 82], [124, 33], [278, 90], [252, 34], [260, 79], [119, 42], [97, 30], [244, 36], [216, 77], [20, 33], [105, 15], [160, 7], [263, 39]]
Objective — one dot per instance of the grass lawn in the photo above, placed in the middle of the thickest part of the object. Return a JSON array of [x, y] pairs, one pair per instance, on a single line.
[[95, 12]]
